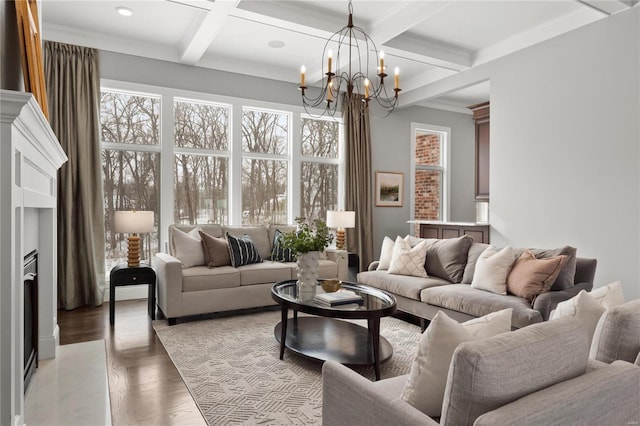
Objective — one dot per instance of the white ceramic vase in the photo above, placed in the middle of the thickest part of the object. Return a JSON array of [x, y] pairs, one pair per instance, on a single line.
[[307, 274]]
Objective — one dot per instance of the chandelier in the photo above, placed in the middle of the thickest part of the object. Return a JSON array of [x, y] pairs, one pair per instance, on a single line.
[[353, 46]]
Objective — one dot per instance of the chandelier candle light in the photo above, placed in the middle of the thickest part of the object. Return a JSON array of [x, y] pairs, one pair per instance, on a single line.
[[133, 222], [352, 44], [341, 220]]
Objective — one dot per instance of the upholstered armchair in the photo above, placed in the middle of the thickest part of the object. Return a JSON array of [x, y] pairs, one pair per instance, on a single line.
[[537, 375]]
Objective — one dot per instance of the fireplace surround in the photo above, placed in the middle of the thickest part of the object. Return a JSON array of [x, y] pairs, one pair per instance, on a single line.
[[30, 156]]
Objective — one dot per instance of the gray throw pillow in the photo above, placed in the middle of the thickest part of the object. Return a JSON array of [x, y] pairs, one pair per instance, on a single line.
[[447, 258]]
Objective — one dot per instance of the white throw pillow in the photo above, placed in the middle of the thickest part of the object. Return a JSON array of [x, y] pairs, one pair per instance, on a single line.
[[588, 307], [188, 247], [386, 254], [428, 376], [492, 270], [407, 260], [609, 295]]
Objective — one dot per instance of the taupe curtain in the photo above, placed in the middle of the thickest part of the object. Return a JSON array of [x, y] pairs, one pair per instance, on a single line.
[[358, 179], [73, 88]]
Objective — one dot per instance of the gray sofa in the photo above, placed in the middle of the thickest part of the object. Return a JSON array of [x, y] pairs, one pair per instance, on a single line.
[[199, 289], [538, 375], [450, 265]]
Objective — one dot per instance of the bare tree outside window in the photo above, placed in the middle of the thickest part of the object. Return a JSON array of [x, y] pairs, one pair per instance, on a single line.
[[319, 180], [265, 142], [201, 180], [131, 177]]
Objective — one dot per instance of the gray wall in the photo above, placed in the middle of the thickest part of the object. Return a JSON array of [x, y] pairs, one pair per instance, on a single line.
[[565, 147], [391, 136], [10, 64]]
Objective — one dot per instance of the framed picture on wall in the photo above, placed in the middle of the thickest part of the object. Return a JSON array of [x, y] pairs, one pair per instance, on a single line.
[[389, 189]]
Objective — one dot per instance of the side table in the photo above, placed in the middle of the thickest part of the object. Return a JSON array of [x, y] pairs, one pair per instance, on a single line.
[[122, 275]]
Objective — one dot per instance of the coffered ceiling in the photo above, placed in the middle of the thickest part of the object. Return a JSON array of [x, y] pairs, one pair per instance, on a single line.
[[427, 40]]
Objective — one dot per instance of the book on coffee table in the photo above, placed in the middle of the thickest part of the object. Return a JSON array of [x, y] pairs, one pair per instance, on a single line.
[[341, 297]]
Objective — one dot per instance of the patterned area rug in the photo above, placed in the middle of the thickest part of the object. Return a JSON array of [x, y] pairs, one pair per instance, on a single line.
[[231, 367]]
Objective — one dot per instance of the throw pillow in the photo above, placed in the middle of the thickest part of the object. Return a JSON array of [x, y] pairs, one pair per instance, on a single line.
[[279, 253], [386, 253], [407, 260], [567, 274], [492, 269], [584, 307], [531, 277], [428, 375], [609, 295], [188, 247], [242, 251], [446, 258], [216, 250]]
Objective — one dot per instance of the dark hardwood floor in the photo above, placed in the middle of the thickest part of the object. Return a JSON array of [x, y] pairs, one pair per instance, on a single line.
[[144, 385]]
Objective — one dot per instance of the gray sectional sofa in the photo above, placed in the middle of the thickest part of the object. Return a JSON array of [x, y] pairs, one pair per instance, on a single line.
[[199, 289], [450, 265]]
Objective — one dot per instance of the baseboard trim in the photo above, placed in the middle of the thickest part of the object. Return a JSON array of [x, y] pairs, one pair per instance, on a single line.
[[47, 344]]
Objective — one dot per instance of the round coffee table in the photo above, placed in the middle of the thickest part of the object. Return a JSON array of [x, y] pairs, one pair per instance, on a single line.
[[324, 336]]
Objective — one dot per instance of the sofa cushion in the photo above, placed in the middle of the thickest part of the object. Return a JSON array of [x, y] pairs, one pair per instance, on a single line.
[[566, 276], [265, 272], [242, 251], [216, 250], [463, 298], [259, 235], [617, 335], [201, 278], [278, 252], [188, 248], [530, 276], [281, 228], [407, 260], [326, 269], [386, 254], [490, 373], [401, 285], [428, 375], [475, 251], [446, 258], [492, 270], [213, 230]]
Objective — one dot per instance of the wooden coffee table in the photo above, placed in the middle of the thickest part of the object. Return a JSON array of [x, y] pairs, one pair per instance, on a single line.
[[324, 336]]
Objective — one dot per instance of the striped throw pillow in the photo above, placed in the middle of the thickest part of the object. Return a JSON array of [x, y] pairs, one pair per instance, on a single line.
[[279, 253], [242, 251]]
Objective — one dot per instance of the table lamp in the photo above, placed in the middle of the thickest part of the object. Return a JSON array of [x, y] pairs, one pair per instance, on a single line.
[[341, 220], [133, 222]]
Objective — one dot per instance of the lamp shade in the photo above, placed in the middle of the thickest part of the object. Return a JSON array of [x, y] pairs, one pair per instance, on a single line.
[[341, 219], [133, 222]]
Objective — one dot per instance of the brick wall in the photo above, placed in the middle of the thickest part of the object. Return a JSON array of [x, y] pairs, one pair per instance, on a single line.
[[427, 182]]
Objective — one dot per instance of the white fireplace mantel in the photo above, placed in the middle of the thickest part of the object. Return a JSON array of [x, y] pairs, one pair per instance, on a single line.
[[30, 156]]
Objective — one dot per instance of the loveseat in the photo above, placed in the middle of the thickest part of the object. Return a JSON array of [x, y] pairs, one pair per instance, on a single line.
[[450, 266], [538, 375], [187, 286]]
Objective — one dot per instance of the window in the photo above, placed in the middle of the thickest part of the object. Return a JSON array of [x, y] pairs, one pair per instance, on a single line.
[[429, 177], [265, 162], [319, 167], [130, 165], [201, 162]]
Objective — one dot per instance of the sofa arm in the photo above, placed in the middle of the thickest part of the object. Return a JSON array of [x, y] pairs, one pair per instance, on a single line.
[[606, 395], [373, 265], [341, 257], [169, 283], [350, 399], [547, 302]]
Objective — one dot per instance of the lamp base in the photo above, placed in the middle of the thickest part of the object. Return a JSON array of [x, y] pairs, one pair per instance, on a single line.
[[340, 239], [133, 255]]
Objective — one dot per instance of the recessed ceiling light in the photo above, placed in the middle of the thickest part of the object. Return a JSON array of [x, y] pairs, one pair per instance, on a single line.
[[276, 44], [124, 11]]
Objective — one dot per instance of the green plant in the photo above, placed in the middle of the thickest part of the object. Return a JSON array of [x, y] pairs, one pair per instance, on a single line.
[[308, 237]]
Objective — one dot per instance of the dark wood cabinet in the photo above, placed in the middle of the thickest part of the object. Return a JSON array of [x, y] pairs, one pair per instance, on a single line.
[[479, 232], [481, 118]]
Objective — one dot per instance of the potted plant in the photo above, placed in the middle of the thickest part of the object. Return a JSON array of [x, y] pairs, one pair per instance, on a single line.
[[307, 242]]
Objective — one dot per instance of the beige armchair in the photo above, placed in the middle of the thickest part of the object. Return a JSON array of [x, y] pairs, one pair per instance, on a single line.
[[538, 375]]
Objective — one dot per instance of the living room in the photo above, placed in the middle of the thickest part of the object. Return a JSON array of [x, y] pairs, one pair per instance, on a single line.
[[565, 135]]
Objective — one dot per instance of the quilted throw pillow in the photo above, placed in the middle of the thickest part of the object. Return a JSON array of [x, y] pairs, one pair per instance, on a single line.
[[242, 251], [407, 260], [279, 253]]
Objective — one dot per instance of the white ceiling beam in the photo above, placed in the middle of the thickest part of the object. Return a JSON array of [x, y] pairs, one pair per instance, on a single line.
[[202, 33]]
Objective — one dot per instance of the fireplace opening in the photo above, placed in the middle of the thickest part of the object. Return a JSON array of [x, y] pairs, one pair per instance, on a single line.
[[30, 316]]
